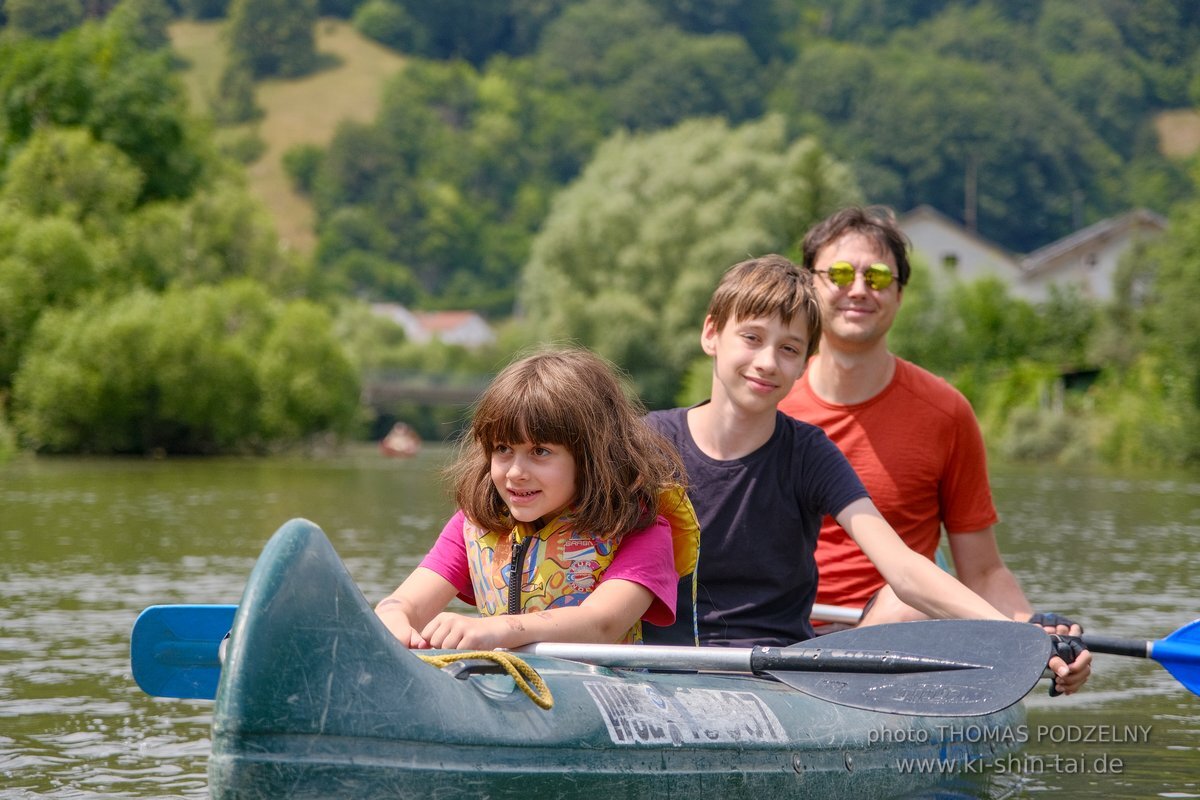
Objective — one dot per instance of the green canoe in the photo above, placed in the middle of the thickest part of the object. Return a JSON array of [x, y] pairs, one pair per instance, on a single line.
[[317, 699]]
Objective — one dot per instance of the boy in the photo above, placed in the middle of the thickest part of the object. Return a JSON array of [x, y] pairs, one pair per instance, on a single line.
[[761, 482]]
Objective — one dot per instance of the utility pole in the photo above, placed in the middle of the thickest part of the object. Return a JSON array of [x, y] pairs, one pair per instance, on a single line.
[[970, 194]]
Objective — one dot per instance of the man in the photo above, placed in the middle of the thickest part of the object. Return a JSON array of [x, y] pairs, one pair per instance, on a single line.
[[911, 437]]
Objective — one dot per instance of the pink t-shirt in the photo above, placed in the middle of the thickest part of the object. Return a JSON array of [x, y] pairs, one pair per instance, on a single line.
[[644, 556]]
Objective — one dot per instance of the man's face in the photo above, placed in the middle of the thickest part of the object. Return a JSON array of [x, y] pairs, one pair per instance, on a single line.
[[855, 316]]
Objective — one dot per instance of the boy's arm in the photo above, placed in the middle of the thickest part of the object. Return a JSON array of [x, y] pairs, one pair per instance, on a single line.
[[916, 580], [927, 587], [605, 616]]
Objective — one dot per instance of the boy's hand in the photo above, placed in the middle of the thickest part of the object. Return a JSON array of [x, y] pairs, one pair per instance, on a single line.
[[1071, 664], [1056, 623]]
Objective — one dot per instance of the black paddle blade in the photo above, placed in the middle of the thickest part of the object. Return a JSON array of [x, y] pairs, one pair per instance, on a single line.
[[1011, 658]]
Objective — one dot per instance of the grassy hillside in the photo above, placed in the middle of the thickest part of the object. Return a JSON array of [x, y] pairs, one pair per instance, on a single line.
[[297, 111], [1178, 133]]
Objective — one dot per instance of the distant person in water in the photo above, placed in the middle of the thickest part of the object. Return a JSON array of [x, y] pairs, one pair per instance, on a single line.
[[570, 513], [401, 441]]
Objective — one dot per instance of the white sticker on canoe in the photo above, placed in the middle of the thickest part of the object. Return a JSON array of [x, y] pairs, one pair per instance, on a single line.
[[640, 714]]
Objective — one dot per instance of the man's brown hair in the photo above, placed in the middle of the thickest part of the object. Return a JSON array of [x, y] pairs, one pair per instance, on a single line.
[[877, 223]]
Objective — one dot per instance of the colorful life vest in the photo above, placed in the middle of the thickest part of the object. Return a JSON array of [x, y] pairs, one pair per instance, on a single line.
[[562, 566]]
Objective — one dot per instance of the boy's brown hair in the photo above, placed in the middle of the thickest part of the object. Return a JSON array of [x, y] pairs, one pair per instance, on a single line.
[[767, 286], [574, 398]]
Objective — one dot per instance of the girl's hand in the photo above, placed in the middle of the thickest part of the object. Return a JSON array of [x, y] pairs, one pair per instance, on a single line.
[[455, 631], [396, 621]]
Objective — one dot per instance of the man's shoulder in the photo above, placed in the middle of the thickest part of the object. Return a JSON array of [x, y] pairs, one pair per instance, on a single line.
[[931, 389]]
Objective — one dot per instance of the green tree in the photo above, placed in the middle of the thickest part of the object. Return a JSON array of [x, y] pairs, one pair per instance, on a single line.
[[44, 262], [202, 370], [388, 22], [144, 22], [45, 19], [235, 101], [95, 78], [309, 384], [204, 9], [68, 173], [631, 252], [1173, 338], [273, 37], [924, 130], [219, 234]]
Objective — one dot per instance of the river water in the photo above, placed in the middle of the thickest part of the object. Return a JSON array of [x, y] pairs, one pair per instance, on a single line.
[[85, 544]]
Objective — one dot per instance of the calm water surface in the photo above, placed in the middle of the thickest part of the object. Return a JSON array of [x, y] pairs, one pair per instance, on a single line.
[[86, 544]]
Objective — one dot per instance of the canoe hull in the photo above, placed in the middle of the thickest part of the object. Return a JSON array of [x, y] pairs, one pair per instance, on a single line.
[[317, 699]]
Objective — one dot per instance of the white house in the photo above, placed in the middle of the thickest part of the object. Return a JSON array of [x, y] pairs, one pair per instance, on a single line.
[[942, 242], [465, 328], [1086, 259]]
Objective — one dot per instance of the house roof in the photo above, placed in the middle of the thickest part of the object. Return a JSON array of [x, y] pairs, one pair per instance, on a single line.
[[1091, 236], [929, 212], [442, 321]]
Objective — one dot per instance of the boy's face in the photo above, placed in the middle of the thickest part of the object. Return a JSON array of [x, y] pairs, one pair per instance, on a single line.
[[855, 314], [756, 361]]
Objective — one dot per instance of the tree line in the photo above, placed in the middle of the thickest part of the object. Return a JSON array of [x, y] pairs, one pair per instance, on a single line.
[[577, 170]]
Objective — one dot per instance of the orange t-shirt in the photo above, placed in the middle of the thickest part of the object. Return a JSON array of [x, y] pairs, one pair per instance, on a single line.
[[918, 449]]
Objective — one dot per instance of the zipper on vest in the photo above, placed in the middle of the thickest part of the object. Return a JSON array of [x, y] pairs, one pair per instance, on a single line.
[[514, 576]]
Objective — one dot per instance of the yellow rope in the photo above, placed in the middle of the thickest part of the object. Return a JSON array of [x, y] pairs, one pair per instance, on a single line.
[[525, 676]]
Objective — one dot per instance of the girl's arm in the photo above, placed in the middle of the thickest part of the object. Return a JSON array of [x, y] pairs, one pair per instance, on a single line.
[[916, 580], [414, 603], [604, 616]]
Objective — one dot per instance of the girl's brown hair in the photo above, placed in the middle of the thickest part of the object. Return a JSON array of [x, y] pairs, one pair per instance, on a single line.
[[574, 398]]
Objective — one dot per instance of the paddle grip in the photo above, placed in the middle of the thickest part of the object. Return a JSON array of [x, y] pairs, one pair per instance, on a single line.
[[1117, 647]]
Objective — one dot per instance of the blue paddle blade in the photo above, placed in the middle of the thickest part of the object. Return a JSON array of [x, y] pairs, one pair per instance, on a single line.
[[1180, 654], [173, 649]]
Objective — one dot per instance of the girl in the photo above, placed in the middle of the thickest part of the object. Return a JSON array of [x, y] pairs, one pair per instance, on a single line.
[[570, 511]]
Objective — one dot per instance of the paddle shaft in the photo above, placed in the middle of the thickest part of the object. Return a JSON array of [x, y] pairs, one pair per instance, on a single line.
[[744, 659], [1136, 648]]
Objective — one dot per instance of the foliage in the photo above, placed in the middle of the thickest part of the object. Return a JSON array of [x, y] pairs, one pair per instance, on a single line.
[[301, 162], [457, 169], [190, 371], [273, 37], [94, 78], [1145, 416], [219, 234], [68, 173], [1173, 340], [205, 9], [308, 383], [631, 252], [45, 19], [144, 22], [388, 22], [43, 262], [234, 101], [924, 126]]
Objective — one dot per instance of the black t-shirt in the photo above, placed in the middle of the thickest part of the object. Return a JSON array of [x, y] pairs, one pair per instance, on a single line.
[[759, 520]]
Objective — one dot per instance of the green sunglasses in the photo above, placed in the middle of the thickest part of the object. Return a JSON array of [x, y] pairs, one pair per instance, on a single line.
[[841, 274]]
